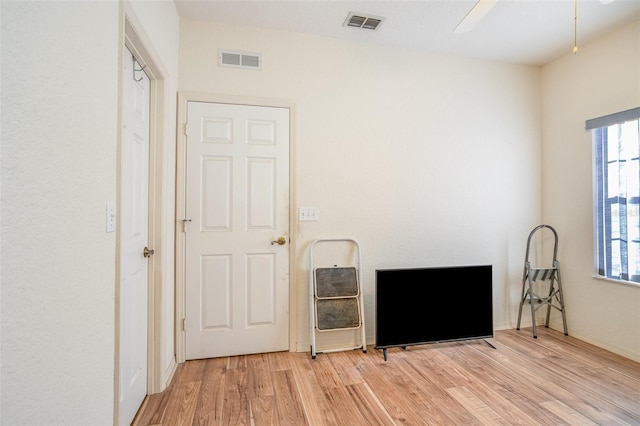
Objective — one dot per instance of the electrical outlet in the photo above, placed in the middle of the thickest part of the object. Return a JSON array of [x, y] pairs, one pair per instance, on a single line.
[[308, 214]]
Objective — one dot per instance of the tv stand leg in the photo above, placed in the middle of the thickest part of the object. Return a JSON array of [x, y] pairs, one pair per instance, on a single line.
[[384, 353], [487, 342]]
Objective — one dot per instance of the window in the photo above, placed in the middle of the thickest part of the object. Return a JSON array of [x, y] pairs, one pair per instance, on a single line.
[[616, 155]]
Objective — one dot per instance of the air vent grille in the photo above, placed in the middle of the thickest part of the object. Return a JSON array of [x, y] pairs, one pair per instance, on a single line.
[[363, 21], [235, 59]]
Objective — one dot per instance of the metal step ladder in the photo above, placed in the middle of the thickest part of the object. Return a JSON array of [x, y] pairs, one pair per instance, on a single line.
[[542, 286], [335, 297]]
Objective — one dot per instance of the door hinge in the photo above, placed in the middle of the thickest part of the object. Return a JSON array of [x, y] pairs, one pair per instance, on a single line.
[[184, 324], [186, 129]]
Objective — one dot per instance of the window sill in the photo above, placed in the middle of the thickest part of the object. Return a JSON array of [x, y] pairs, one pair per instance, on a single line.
[[631, 283]]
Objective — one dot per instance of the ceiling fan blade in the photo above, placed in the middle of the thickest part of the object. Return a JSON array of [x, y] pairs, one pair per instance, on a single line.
[[475, 15]]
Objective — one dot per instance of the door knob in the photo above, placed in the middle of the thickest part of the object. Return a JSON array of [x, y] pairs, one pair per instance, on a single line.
[[281, 241], [147, 252]]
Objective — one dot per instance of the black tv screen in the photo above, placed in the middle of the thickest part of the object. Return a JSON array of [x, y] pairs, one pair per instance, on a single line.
[[427, 305]]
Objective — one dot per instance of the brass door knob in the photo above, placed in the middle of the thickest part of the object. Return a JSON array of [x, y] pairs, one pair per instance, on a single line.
[[147, 252], [281, 241]]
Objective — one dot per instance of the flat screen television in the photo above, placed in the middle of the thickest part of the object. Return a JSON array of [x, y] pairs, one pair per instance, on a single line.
[[438, 304]]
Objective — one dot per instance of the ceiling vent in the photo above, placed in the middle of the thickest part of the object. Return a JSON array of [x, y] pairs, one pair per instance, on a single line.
[[360, 20], [234, 59]]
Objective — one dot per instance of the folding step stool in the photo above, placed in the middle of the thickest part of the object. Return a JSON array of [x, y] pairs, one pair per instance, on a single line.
[[530, 276], [335, 297]]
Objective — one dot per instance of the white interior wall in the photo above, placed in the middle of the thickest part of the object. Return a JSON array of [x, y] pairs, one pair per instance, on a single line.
[[425, 160], [60, 104], [603, 78], [59, 132]]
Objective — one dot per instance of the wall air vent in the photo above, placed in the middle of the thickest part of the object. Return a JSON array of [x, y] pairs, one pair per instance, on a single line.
[[365, 22], [234, 59]]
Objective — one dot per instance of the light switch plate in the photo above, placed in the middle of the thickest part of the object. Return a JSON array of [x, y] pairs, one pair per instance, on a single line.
[[308, 214], [111, 217]]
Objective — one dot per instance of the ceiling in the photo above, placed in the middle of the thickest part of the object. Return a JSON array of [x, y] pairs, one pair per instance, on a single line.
[[532, 32]]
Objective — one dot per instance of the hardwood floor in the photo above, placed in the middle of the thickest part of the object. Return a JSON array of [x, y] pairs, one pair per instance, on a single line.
[[554, 380]]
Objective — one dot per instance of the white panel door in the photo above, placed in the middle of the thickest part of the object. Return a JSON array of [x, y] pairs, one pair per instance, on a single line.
[[133, 240], [237, 201]]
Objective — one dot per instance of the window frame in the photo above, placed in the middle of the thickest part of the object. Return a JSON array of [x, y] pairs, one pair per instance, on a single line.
[[601, 227]]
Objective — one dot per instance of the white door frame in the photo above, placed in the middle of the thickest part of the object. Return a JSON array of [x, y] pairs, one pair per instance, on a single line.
[[134, 38], [181, 150]]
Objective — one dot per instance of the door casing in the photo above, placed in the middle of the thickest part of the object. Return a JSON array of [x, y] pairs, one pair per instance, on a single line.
[[183, 98], [134, 38]]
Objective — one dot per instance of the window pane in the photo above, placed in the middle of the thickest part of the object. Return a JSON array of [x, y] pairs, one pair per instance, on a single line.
[[633, 177], [613, 177], [614, 220], [615, 268], [634, 239], [612, 145], [617, 195], [629, 145]]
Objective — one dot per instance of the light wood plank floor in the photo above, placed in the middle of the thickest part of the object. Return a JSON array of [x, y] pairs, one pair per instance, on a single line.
[[554, 380]]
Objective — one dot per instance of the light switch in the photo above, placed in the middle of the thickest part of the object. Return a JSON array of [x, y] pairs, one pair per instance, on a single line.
[[111, 217], [307, 214]]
